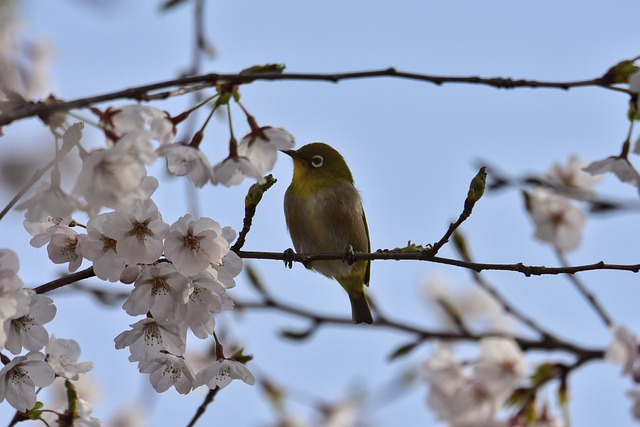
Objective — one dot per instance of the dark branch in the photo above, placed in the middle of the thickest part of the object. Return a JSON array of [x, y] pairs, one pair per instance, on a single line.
[[154, 91]]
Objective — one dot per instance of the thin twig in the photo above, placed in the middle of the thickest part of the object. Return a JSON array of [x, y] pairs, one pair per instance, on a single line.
[[142, 93], [203, 406], [397, 255], [586, 293], [546, 343], [26, 187]]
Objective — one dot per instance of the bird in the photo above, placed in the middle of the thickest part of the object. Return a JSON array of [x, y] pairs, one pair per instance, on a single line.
[[324, 214]]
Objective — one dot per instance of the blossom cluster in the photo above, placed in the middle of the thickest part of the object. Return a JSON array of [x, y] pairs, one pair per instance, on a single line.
[[23, 314], [472, 393], [179, 272]]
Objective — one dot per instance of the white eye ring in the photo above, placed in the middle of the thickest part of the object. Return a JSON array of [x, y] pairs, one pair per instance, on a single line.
[[317, 161]]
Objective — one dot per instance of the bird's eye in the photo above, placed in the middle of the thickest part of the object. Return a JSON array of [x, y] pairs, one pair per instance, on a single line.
[[317, 161]]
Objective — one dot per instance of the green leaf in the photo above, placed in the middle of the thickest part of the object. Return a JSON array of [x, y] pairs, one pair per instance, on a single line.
[[403, 350], [170, 4]]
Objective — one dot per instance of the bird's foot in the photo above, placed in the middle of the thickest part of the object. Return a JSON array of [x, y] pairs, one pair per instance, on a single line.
[[289, 256], [349, 255]]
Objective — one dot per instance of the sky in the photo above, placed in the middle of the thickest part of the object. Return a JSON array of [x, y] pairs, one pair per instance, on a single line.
[[412, 147]]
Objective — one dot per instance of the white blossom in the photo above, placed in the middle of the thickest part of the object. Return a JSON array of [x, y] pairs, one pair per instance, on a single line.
[[617, 165], [221, 372], [62, 248], [167, 370], [572, 177], [261, 147], [20, 377], [501, 367], [233, 170], [155, 123], [623, 349], [138, 231], [148, 337], [43, 228], [25, 329], [192, 245], [49, 200], [63, 357], [110, 178], [96, 246], [558, 221], [187, 160], [160, 290]]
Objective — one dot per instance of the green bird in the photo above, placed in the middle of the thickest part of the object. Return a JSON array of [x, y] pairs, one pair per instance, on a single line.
[[324, 214]]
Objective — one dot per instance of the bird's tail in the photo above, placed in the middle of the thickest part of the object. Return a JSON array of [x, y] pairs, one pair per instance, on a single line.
[[360, 311]]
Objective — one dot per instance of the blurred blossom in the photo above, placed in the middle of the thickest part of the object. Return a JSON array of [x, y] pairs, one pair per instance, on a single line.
[[148, 123], [63, 357], [501, 367], [110, 178], [623, 349], [187, 160], [572, 177], [23, 64], [474, 305], [634, 395], [558, 221], [130, 416], [619, 166]]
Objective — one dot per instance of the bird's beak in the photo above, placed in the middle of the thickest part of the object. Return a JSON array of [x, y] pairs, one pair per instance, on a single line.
[[293, 154]]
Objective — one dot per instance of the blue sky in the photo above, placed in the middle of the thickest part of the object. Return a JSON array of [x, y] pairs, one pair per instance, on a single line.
[[412, 147]]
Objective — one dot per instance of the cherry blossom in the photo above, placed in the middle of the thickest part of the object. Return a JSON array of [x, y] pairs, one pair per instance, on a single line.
[[194, 244], [617, 165], [557, 220], [96, 246], [187, 160], [138, 232], [232, 171], [62, 248], [20, 377], [160, 290], [623, 350], [167, 370], [155, 123], [63, 357], [261, 147], [148, 337], [572, 177], [221, 372], [25, 329], [501, 367], [110, 178]]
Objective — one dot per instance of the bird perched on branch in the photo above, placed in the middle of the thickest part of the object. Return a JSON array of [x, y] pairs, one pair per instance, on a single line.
[[324, 214]]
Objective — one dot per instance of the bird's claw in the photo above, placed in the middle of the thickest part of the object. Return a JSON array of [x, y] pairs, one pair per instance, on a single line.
[[349, 255], [289, 256]]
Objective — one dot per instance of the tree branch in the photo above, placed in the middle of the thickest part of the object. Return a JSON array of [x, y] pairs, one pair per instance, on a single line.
[[151, 91]]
